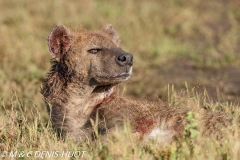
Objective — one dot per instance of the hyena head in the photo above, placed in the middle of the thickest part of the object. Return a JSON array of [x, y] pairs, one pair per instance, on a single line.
[[94, 57]]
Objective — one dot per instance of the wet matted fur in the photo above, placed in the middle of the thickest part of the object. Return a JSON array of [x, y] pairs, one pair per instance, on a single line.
[[80, 87]]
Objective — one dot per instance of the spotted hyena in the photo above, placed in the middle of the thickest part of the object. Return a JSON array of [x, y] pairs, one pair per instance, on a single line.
[[80, 87]]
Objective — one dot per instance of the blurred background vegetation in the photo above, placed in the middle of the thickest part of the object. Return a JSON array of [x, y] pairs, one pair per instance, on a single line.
[[173, 42]]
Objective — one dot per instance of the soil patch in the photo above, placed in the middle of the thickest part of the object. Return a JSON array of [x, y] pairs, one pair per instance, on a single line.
[[222, 84]]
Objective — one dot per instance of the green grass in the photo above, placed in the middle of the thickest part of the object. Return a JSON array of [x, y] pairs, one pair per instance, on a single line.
[[173, 42]]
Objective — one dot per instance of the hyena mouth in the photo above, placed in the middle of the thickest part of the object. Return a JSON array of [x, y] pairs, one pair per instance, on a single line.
[[113, 80], [125, 76], [121, 76]]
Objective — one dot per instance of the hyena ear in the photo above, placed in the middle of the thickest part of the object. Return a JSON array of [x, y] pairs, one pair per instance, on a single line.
[[112, 33], [59, 41]]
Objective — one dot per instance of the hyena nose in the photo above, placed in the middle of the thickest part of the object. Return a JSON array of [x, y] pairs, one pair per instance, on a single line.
[[124, 59]]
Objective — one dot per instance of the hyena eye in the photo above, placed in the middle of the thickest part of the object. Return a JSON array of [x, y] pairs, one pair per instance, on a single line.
[[94, 51]]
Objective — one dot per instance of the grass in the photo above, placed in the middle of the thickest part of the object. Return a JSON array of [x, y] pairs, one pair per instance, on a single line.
[[173, 42]]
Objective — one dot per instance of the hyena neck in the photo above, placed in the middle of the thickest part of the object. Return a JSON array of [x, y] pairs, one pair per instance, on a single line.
[[67, 88], [71, 99], [62, 83]]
